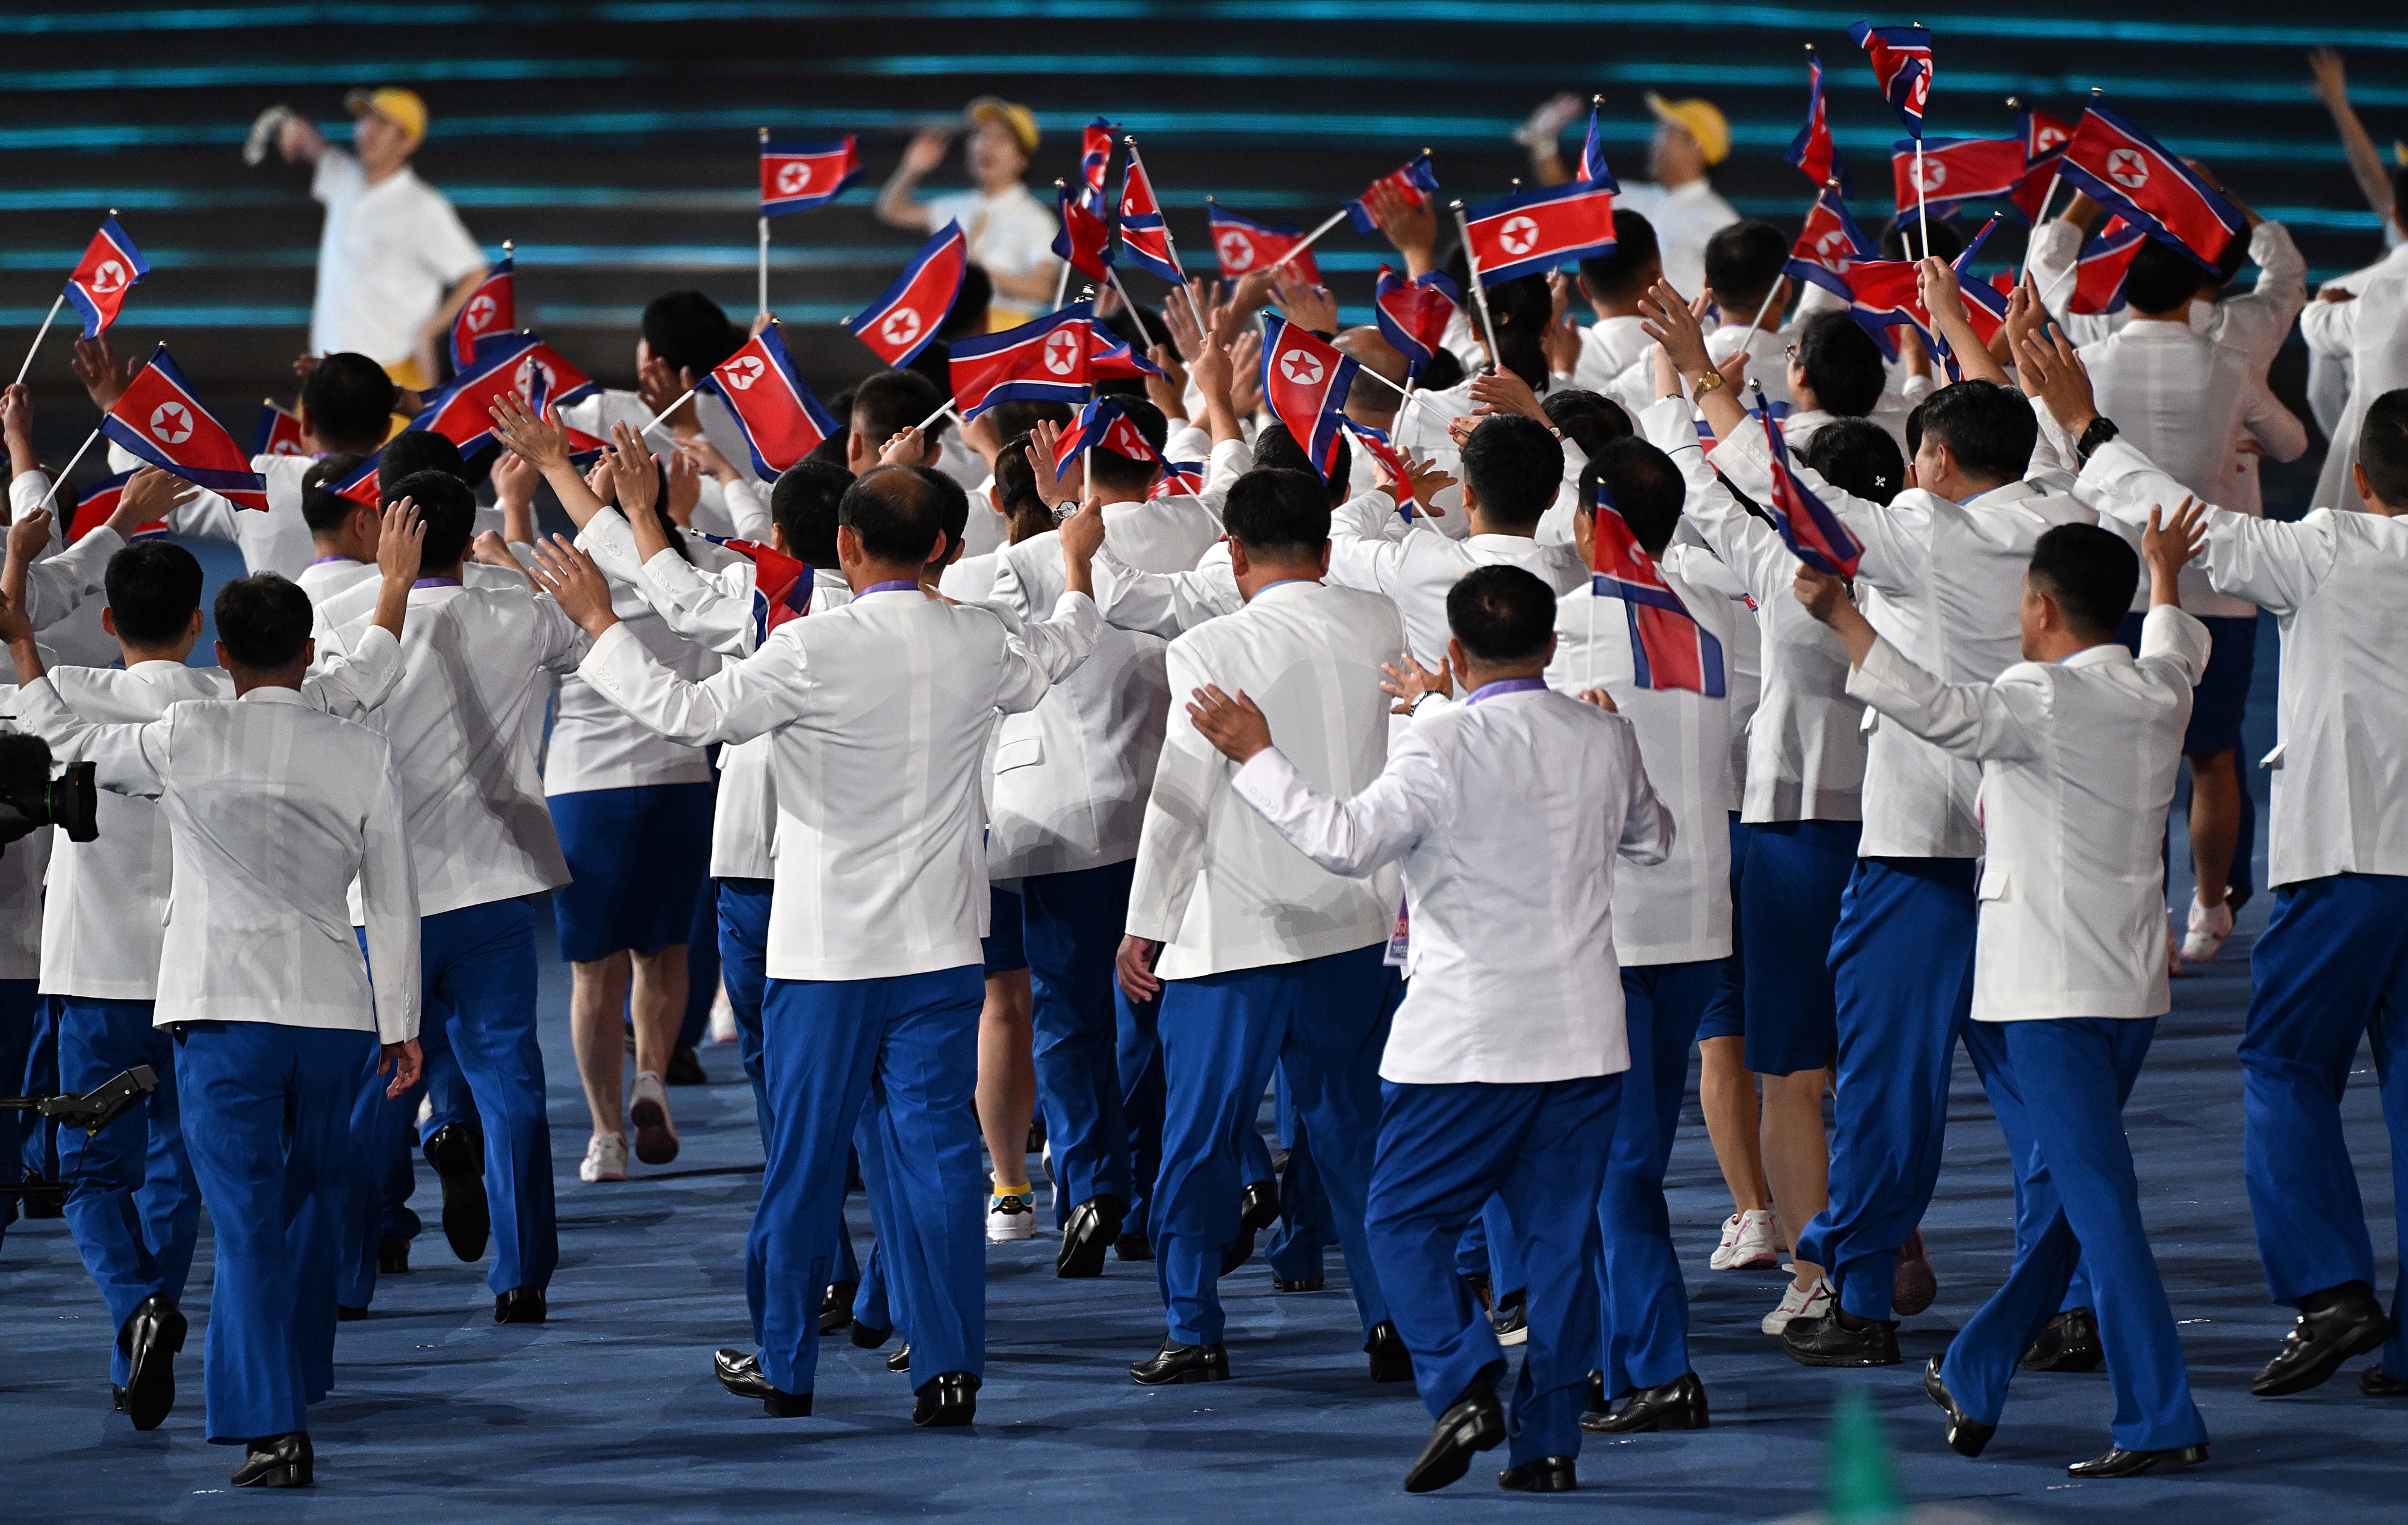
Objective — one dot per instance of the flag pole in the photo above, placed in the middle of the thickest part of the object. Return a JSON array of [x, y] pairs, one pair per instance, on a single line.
[[56, 303], [1310, 238], [940, 412], [764, 247], [1761, 307], [1060, 282], [1921, 207], [51, 497], [662, 417], [1167, 241], [1143, 333], [1479, 289]]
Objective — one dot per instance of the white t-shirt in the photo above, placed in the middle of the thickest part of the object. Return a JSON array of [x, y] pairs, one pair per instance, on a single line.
[[390, 252], [1683, 219], [1010, 233]]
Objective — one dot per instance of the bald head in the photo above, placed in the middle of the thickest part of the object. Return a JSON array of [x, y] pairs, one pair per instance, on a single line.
[[1368, 401]]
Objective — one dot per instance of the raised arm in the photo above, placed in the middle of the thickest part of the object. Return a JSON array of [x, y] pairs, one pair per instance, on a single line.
[[1979, 721]]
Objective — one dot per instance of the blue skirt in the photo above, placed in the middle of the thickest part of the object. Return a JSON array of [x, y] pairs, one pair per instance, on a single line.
[[637, 859]]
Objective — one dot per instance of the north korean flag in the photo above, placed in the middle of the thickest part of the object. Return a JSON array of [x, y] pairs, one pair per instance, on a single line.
[[2105, 260], [1531, 232], [92, 509], [110, 266], [798, 177], [1593, 170], [1956, 169], [519, 362], [1095, 159], [492, 309], [1806, 526], [783, 422], [1044, 361], [1413, 314], [2044, 141], [1902, 60], [1178, 479], [279, 432], [1383, 450], [1883, 293], [781, 585], [364, 485], [1414, 182], [1244, 245], [1306, 381], [1829, 245], [160, 419], [2131, 174], [1144, 239], [1086, 241], [1811, 150], [1985, 306], [900, 323], [1109, 358], [1102, 425], [1669, 649]]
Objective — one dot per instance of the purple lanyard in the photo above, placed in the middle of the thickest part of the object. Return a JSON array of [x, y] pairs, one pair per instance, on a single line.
[[900, 585], [435, 583], [1503, 685], [328, 561]]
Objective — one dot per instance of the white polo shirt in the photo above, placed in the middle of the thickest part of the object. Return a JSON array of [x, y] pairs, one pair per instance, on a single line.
[[389, 254]]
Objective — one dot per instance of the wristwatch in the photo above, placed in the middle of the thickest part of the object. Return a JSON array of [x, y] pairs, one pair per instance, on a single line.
[[2100, 431], [1706, 383]]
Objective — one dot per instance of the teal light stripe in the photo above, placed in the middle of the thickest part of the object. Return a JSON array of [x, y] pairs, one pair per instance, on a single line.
[[398, 71]]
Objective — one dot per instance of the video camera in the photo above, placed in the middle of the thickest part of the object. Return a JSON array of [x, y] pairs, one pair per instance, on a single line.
[[31, 798]]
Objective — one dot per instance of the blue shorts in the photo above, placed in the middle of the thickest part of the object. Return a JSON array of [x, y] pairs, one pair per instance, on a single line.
[[2222, 696], [1790, 902], [637, 859], [1727, 1013], [1001, 945]]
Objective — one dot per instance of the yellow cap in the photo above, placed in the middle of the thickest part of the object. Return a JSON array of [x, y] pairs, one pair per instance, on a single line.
[[402, 108], [1700, 119], [1021, 121]]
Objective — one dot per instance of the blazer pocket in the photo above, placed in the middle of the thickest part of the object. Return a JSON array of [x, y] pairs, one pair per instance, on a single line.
[[2274, 758], [1019, 751], [1998, 882]]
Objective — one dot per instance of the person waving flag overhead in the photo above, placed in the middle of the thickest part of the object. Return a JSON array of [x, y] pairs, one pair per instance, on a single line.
[[1807, 525]]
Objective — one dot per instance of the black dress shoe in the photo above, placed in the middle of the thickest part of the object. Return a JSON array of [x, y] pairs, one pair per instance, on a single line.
[[901, 1359], [1258, 1209], [869, 1336], [1094, 1224], [1547, 1474], [520, 1306], [1306, 1283], [1390, 1360], [150, 1337], [279, 1462], [392, 1256], [458, 1156], [2119, 1462], [42, 1199], [2334, 1325], [836, 1307], [2377, 1383], [1841, 1339], [1966, 1436], [1677, 1404], [1596, 1403], [2067, 1342], [1474, 1422], [344, 1315], [1133, 1247], [950, 1398], [742, 1374], [685, 1068], [1182, 1363]]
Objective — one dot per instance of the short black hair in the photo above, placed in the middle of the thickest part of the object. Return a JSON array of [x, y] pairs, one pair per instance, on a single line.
[[349, 401], [835, 449], [887, 404], [1743, 261], [1501, 613], [2091, 572], [1589, 420], [413, 451], [968, 315], [321, 508], [1514, 468], [1110, 468], [154, 586], [1842, 364], [896, 513], [803, 504], [1645, 485], [1278, 512], [449, 510], [262, 622], [2161, 278], [2383, 448], [1022, 414], [1622, 275], [1276, 449], [1858, 457], [954, 509], [686, 330], [1443, 371], [1903, 238], [1988, 427]]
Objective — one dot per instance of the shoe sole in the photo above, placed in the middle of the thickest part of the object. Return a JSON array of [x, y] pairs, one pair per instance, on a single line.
[[656, 1142], [2324, 1372], [1182, 1379], [1451, 1469], [1839, 1361], [1753, 1263], [1011, 1236], [1518, 1336], [596, 1178]]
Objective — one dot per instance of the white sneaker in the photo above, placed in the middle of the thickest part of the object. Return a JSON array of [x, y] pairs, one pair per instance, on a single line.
[[1748, 1241], [2208, 928], [606, 1158], [1011, 1216], [722, 1018], [2173, 950], [1799, 1302], [648, 1108]]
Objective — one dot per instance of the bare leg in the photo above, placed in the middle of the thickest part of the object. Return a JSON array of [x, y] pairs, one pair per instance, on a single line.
[[658, 1005], [1796, 1156], [1006, 1077], [2215, 823], [598, 989], [1727, 1095]]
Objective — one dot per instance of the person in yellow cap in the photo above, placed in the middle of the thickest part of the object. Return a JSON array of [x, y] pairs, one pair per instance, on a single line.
[[1009, 230], [395, 264], [1680, 203]]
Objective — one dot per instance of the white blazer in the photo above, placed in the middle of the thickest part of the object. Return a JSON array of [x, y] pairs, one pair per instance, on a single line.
[[276, 809], [2372, 331], [2078, 760], [1508, 812], [1690, 559], [1419, 569], [1215, 884], [878, 715]]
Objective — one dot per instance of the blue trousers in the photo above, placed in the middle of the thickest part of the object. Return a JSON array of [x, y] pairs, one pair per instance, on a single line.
[[906, 1049], [1304, 1230], [1489, 1248], [20, 1009], [1324, 1022], [1071, 929], [132, 1202], [1645, 1304], [2068, 1080], [1445, 1150], [2331, 967], [1138, 1054], [1903, 969], [480, 982], [40, 1141], [1789, 901], [267, 1113]]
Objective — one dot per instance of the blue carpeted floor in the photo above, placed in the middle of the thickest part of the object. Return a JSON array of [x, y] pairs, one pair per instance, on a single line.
[[609, 1413]]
